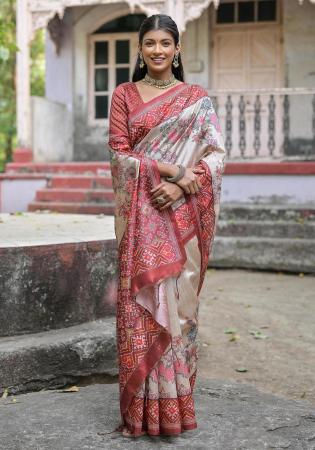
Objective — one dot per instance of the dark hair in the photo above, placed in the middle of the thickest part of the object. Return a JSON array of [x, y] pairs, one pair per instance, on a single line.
[[158, 22]]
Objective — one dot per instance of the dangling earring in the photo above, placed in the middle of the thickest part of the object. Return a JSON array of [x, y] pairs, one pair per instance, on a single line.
[[175, 60], [142, 63]]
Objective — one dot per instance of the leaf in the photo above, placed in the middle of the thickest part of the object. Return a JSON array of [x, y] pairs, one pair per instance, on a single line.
[[230, 330], [234, 337], [241, 369], [5, 393], [258, 334], [71, 389]]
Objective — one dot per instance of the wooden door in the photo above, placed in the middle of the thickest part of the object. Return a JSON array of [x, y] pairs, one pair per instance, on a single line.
[[245, 59]]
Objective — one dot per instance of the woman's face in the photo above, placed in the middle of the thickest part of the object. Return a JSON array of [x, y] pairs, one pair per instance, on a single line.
[[158, 50]]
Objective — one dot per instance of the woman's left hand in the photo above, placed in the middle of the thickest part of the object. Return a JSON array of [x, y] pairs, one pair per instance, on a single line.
[[171, 192]]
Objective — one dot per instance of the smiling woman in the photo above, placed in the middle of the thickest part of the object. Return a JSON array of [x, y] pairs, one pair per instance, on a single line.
[[167, 158]]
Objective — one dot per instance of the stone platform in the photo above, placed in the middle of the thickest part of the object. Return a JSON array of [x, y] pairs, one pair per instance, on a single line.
[[230, 416], [56, 270]]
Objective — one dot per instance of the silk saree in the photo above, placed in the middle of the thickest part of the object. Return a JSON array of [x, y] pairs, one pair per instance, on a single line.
[[163, 255]]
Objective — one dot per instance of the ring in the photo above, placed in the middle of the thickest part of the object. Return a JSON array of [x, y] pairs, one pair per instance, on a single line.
[[160, 200]]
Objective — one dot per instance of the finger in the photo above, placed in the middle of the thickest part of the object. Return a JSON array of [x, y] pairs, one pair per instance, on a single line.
[[196, 188], [167, 205], [188, 190], [197, 170], [157, 187], [157, 194]]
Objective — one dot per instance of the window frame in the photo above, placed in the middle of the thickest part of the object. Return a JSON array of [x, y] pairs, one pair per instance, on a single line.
[[111, 65], [247, 24]]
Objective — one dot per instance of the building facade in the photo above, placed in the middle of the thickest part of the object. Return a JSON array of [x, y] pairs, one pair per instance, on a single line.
[[256, 58]]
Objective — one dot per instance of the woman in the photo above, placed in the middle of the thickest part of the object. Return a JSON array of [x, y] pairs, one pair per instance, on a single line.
[[167, 156]]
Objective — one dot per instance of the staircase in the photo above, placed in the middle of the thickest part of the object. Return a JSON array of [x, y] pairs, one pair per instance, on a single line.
[[76, 187], [269, 237]]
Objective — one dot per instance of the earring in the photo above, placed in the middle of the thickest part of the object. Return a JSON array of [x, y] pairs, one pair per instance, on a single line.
[[175, 60], [142, 63]]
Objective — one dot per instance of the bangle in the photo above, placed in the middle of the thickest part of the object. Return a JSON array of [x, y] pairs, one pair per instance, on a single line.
[[180, 174]]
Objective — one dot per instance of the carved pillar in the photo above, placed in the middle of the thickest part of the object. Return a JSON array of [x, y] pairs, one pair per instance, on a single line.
[[23, 94]]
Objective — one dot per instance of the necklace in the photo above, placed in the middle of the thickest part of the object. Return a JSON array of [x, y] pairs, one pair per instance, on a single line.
[[161, 84]]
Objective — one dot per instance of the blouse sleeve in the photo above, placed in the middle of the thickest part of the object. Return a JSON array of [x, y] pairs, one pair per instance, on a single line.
[[119, 139]]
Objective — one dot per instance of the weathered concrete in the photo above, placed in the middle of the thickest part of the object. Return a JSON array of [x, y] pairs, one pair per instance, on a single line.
[[57, 357], [277, 237], [292, 255], [230, 416], [55, 271]]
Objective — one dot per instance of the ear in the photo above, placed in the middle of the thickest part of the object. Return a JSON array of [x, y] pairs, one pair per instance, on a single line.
[[178, 48]]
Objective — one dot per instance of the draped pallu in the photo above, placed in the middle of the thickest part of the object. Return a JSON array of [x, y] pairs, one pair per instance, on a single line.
[[163, 255]]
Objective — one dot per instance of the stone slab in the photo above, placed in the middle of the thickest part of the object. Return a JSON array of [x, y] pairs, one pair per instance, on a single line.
[[56, 357], [284, 254], [56, 270], [230, 416]]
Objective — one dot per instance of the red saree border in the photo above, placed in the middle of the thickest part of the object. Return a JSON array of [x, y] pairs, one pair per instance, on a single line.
[[142, 108], [147, 363], [155, 275]]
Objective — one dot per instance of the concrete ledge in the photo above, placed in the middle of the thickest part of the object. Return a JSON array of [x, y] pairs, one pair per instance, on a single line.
[[57, 357], [55, 271], [292, 255]]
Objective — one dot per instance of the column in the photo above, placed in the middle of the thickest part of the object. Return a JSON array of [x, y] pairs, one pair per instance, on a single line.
[[23, 94]]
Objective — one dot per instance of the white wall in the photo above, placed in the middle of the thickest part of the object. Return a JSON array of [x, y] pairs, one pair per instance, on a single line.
[[15, 195], [52, 131], [278, 189]]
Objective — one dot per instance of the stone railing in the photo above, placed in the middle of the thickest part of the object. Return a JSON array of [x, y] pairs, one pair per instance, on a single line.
[[267, 123]]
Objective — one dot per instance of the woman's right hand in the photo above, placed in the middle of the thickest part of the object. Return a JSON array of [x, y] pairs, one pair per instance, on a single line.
[[190, 182]]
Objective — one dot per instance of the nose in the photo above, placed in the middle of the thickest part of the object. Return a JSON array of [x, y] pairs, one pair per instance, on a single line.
[[157, 49]]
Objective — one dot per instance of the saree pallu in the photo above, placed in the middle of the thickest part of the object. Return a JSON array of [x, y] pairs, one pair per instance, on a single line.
[[163, 255]]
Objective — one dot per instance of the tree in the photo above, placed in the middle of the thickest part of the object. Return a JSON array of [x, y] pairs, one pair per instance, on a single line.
[[8, 49]]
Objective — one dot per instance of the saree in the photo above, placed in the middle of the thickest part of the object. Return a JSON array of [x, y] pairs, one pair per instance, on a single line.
[[163, 255]]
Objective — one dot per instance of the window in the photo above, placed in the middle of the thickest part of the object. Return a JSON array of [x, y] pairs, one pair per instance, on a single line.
[[113, 50], [243, 11]]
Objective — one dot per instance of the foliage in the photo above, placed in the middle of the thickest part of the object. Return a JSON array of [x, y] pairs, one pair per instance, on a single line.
[[7, 80], [8, 50]]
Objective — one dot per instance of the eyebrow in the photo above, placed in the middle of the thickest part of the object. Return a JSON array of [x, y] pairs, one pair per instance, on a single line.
[[164, 39]]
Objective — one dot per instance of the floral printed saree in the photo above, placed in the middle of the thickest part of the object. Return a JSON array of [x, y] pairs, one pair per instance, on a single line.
[[163, 255]]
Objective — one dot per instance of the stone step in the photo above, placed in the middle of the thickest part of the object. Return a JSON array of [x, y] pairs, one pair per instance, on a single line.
[[57, 357], [57, 270], [73, 208], [58, 167], [268, 228], [100, 196], [258, 212], [80, 181], [292, 255]]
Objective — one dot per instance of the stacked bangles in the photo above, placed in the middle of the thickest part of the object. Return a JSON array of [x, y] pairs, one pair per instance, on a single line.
[[181, 172]]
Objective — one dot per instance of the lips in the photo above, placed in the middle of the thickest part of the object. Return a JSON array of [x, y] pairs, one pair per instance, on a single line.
[[158, 59]]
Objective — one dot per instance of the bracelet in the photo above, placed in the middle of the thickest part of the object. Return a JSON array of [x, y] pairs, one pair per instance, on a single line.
[[180, 174]]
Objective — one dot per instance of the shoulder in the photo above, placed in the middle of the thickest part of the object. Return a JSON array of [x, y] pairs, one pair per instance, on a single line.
[[198, 90], [120, 91]]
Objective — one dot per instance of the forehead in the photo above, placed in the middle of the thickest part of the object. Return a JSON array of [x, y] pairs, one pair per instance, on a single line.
[[157, 35]]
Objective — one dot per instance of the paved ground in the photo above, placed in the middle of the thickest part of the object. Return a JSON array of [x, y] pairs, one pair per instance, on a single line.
[[230, 417], [279, 306]]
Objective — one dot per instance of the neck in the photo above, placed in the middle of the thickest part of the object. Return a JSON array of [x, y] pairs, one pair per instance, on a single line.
[[160, 76]]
